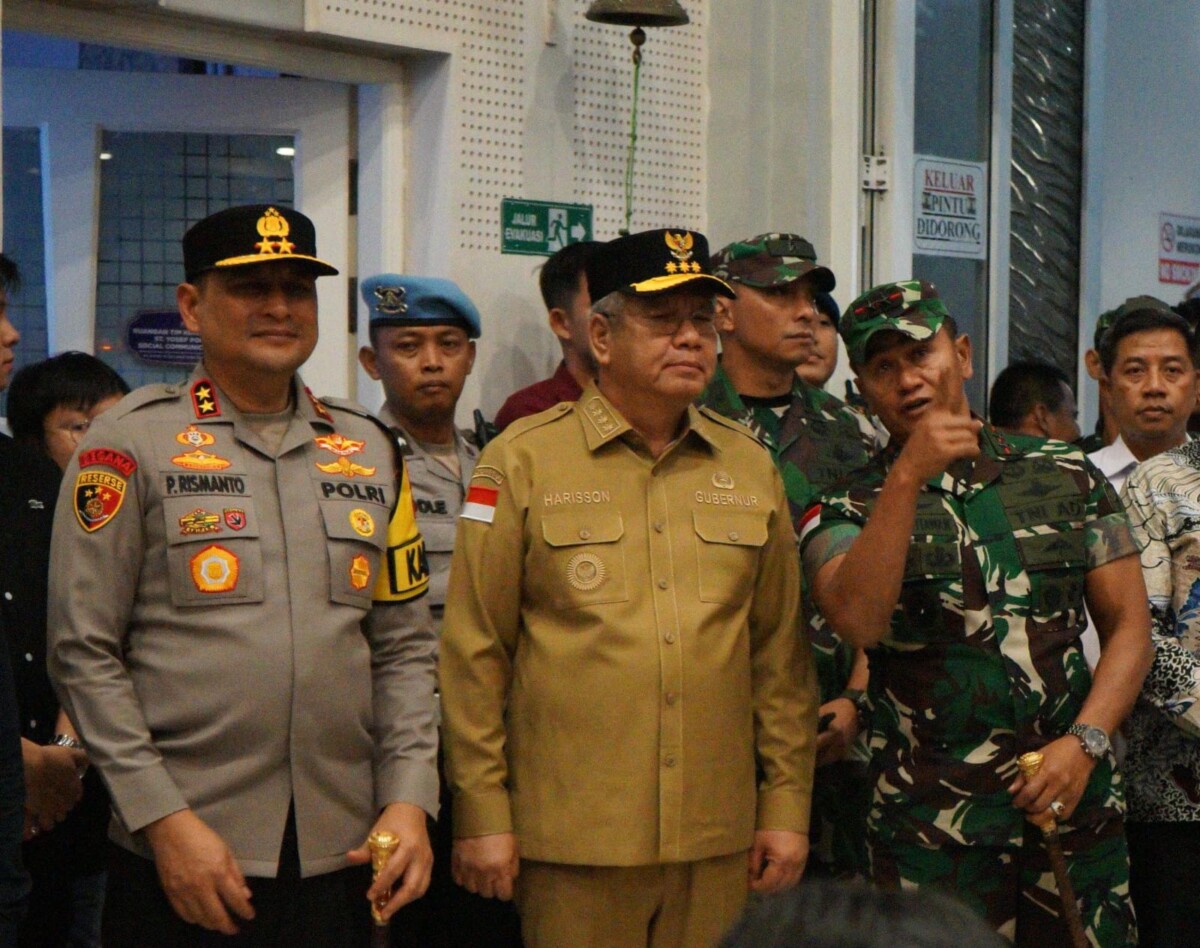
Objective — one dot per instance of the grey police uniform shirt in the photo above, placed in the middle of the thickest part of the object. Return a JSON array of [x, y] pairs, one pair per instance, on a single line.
[[217, 632], [438, 498]]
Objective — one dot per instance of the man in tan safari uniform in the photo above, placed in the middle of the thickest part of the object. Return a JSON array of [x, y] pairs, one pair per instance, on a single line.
[[236, 623], [621, 644]]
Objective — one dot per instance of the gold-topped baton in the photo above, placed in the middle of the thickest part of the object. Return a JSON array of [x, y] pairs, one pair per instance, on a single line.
[[1029, 764], [382, 844]]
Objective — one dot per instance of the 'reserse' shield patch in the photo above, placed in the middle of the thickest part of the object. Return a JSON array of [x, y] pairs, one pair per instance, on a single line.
[[98, 497]]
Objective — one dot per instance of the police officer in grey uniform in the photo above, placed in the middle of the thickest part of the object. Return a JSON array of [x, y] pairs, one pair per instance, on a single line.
[[237, 629], [423, 332]]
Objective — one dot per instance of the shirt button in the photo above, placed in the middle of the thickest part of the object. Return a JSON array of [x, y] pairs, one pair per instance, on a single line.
[[585, 534], [8, 595], [670, 637], [662, 584], [669, 760], [733, 536], [658, 527], [670, 697], [29, 656], [32, 723]]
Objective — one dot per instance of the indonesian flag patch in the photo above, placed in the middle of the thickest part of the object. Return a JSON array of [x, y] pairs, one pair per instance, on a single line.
[[810, 521], [480, 504]]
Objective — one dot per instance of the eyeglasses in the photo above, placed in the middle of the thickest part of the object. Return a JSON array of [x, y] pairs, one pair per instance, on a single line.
[[667, 325], [75, 430]]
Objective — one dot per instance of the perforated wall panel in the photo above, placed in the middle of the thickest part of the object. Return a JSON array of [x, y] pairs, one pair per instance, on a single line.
[[669, 170], [496, 61]]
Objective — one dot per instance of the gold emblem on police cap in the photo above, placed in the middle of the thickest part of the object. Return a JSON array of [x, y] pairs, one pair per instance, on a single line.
[[680, 246], [273, 228], [723, 480], [586, 571]]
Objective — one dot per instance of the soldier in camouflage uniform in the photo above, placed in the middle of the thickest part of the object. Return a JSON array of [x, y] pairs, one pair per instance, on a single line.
[[814, 439], [978, 552]]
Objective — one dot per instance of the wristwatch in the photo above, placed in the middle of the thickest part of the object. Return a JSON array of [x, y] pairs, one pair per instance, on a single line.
[[65, 740], [1095, 742]]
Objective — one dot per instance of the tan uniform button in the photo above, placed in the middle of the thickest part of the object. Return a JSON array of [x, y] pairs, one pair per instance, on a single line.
[[670, 697], [669, 760], [670, 637], [733, 535], [658, 527], [585, 534], [662, 584]]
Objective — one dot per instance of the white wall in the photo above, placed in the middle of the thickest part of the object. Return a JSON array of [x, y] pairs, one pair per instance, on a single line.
[[1141, 144]]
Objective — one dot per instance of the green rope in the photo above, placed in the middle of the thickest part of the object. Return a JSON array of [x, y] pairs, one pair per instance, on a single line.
[[637, 69]]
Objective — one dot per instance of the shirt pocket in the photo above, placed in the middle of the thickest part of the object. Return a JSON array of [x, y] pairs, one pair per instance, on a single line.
[[586, 558], [728, 547], [933, 577], [355, 535], [1056, 564], [213, 552]]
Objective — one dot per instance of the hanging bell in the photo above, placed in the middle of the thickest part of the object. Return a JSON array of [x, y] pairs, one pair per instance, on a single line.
[[637, 12]]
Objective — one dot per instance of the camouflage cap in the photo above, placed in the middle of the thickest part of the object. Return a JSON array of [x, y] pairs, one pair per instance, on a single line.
[[772, 260], [910, 307], [1134, 304]]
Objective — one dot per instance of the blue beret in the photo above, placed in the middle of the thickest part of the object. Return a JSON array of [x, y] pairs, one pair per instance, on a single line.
[[397, 300]]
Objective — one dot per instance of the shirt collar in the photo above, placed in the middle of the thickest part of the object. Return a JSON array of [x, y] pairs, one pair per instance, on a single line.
[[602, 423]]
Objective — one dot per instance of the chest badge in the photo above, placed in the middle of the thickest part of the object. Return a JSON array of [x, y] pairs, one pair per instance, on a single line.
[[362, 522], [723, 480], [360, 572], [235, 518], [215, 570], [198, 459], [199, 521], [586, 571], [342, 447]]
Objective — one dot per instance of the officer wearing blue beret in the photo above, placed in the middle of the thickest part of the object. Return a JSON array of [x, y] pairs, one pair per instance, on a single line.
[[422, 348]]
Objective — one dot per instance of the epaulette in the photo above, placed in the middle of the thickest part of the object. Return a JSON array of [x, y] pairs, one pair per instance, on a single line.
[[713, 415], [147, 395], [529, 422]]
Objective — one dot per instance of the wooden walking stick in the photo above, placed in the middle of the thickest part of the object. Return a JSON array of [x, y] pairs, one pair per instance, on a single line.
[[1029, 764], [382, 844]]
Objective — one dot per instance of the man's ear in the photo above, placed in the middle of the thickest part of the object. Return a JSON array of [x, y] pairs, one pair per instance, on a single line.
[[471, 359], [1091, 362], [367, 359], [724, 315], [962, 348], [1039, 415], [600, 338], [560, 324], [187, 295]]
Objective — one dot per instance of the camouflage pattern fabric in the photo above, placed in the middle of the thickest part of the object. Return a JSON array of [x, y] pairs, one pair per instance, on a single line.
[[1014, 888], [772, 260], [982, 662], [814, 444], [911, 307]]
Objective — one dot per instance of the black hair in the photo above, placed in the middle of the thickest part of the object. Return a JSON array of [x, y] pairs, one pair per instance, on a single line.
[[10, 274], [829, 914], [559, 278], [1021, 386], [828, 306], [70, 379], [1143, 320]]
